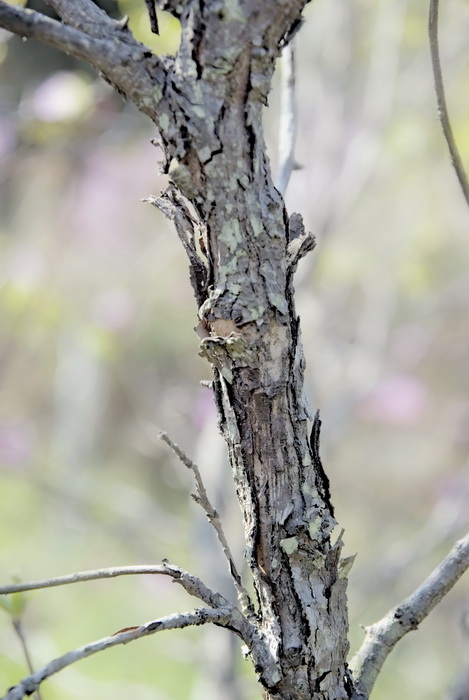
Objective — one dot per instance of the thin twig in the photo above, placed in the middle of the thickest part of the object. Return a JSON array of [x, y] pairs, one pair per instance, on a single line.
[[441, 99], [384, 635], [214, 518], [18, 627], [202, 616], [288, 119], [151, 9], [192, 584]]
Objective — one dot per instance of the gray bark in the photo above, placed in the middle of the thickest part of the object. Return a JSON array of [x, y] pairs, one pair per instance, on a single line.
[[243, 249]]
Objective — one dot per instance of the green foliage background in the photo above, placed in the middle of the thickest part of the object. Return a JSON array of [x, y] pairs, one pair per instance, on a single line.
[[98, 352]]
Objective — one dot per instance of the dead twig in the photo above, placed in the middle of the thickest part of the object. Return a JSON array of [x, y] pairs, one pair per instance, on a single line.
[[214, 518]]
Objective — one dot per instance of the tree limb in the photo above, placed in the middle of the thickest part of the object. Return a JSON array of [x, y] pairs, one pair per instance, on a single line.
[[214, 519], [124, 62], [202, 616], [192, 584], [84, 15], [384, 635], [441, 99]]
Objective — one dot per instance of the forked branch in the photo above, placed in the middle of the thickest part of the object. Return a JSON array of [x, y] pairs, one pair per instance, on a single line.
[[202, 616], [213, 517], [383, 635]]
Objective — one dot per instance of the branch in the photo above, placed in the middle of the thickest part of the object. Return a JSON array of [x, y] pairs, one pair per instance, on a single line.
[[18, 627], [192, 584], [202, 616], [214, 519], [84, 15], [288, 119], [109, 47], [384, 635], [151, 9], [441, 99]]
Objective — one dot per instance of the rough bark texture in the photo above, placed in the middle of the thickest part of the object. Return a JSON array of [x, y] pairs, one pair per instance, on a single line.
[[242, 274], [243, 249]]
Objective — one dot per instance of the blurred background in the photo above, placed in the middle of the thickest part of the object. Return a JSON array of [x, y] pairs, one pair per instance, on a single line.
[[98, 353]]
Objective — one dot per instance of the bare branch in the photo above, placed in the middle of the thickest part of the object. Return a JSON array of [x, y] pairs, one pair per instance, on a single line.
[[384, 635], [151, 8], [288, 119], [84, 15], [214, 518], [441, 99], [127, 64], [202, 616], [18, 627], [192, 584]]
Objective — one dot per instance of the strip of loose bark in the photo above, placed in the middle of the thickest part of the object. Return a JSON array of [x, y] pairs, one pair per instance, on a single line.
[[384, 635], [202, 616], [288, 119], [441, 99]]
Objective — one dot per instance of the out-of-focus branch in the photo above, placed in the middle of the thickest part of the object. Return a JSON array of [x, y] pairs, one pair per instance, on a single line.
[[288, 119], [383, 635], [441, 99], [18, 627], [213, 517], [202, 616]]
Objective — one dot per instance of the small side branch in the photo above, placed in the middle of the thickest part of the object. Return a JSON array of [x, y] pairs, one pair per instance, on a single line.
[[288, 119], [202, 616], [214, 518], [151, 9], [383, 635], [441, 99], [192, 584]]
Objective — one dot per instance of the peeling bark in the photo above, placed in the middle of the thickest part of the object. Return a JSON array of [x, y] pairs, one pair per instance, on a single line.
[[251, 335], [243, 249]]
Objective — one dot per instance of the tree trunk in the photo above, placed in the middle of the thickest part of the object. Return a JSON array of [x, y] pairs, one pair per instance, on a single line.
[[242, 268]]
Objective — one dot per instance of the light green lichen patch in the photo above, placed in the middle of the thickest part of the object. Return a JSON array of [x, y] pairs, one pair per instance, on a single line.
[[257, 227], [345, 566], [314, 527], [233, 11], [231, 234], [163, 121], [308, 490], [204, 152], [228, 374], [289, 545]]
